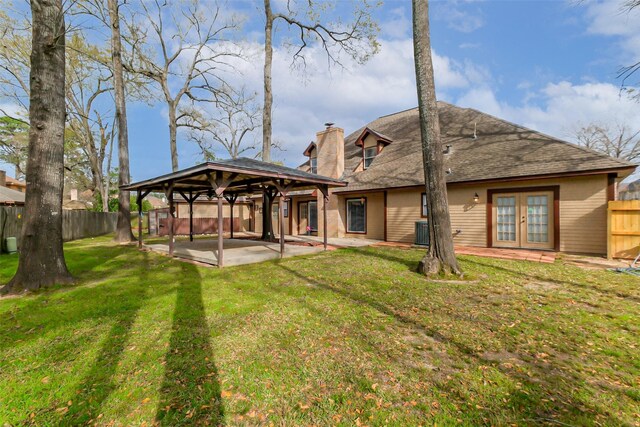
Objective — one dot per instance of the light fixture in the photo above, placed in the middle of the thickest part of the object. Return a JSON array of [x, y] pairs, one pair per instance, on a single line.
[[476, 198]]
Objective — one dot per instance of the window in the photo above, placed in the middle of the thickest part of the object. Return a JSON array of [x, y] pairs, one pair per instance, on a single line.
[[313, 216], [369, 155], [313, 162], [425, 209], [357, 215], [285, 207]]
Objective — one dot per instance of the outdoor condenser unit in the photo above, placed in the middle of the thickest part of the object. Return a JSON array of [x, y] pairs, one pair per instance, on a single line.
[[422, 233]]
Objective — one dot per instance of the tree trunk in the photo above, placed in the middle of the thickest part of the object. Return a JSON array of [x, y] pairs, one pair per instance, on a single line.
[[440, 257], [123, 228], [41, 261], [268, 95], [173, 136]]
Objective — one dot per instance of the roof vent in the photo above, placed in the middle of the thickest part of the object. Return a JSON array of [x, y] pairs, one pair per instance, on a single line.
[[447, 149], [475, 130], [449, 171]]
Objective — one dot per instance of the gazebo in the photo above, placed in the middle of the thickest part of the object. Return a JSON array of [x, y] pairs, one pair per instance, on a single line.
[[229, 179]]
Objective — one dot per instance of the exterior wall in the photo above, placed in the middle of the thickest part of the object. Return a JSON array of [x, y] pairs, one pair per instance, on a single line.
[[375, 216], [583, 212], [210, 210]]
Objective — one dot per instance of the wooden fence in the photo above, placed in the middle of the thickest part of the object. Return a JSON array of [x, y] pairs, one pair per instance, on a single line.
[[76, 224], [623, 229]]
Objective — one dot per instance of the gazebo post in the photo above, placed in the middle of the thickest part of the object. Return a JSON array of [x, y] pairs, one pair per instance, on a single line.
[[281, 221], [191, 200], [324, 189], [220, 233], [139, 199], [232, 201], [170, 219]]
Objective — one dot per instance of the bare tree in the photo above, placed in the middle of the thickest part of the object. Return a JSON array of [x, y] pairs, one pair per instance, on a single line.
[[440, 257], [14, 62], [628, 71], [123, 227], [89, 83], [41, 261], [356, 39], [230, 126], [14, 143], [620, 142], [191, 51]]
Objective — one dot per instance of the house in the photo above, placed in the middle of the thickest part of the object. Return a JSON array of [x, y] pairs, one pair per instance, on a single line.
[[13, 183], [629, 191], [508, 186], [11, 191]]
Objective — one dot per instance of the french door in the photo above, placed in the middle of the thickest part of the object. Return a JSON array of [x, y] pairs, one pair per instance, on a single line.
[[523, 220], [308, 217]]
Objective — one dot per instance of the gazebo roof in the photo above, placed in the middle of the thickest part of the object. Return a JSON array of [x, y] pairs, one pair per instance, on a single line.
[[241, 176]]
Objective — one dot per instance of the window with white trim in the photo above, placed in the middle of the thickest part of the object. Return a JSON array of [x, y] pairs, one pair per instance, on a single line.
[[357, 215], [369, 154], [313, 163], [285, 207]]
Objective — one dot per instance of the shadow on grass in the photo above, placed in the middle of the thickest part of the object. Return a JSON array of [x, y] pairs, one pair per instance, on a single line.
[[99, 382], [533, 405], [190, 391], [583, 286]]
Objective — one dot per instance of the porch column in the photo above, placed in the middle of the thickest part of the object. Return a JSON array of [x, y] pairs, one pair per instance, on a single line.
[[191, 216], [281, 221], [231, 203], [220, 233], [170, 218], [324, 220], [139, 199]]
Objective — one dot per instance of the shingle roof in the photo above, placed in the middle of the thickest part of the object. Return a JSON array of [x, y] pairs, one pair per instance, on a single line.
[[243, 169], [9, 196], [500, 150]]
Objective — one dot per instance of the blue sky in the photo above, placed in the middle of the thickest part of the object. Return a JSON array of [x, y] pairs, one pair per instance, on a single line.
[[549, 65]]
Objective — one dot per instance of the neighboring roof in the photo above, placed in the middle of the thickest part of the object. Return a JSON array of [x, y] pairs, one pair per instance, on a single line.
[[245, 174], [9, 196], [15, 182], [156, 202], [501, 150], [77, 205]]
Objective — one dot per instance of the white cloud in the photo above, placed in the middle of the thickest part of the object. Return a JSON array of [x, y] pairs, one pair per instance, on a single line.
[[613, 18], [562, 107], [350, 97], [459, 16]]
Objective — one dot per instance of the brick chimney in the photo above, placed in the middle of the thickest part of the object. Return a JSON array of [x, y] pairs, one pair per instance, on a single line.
[[330, 145], [3, 179]]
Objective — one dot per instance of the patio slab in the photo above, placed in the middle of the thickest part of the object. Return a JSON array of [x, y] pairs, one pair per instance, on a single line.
[[236, 251]]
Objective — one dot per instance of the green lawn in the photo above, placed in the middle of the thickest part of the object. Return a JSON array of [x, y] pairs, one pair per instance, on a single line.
[[341, 338]]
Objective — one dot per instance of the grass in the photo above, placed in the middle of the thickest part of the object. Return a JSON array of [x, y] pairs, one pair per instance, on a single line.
[[341, 338]]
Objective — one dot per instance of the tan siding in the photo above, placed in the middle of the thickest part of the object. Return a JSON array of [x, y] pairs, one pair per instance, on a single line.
[[583, 215], [210, 210], [403, 210], [375, 216]]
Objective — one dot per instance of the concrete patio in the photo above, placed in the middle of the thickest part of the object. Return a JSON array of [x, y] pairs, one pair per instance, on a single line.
[[236, 251], [247, 249]]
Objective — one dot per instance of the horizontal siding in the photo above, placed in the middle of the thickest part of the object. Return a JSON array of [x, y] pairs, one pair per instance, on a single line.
[[403, 210], [583, 213], [375, 216]]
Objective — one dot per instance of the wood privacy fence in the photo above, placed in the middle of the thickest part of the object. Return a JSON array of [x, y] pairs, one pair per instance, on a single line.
[[76, 224], [623, 229]]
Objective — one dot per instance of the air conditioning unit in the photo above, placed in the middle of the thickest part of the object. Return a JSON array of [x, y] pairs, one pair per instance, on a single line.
[[422, 233]]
